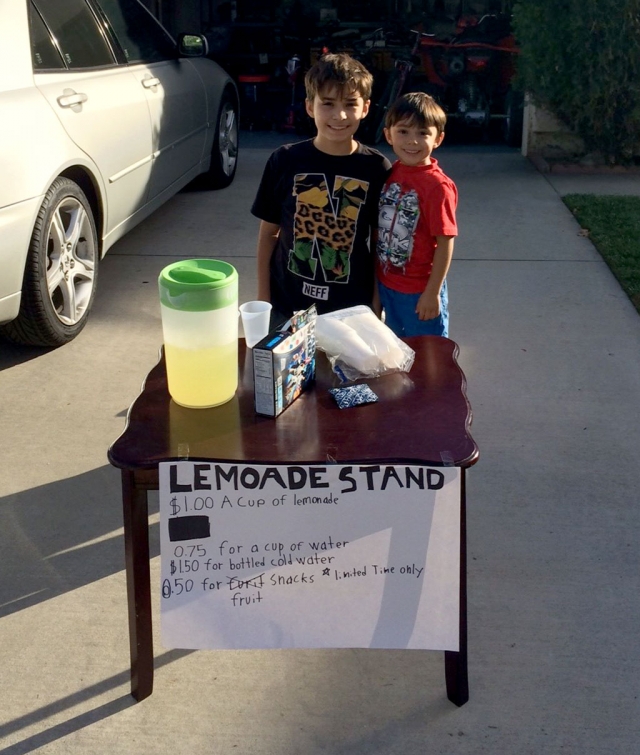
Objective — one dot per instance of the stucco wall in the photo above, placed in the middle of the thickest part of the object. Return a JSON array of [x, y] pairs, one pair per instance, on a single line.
[[545, 135]]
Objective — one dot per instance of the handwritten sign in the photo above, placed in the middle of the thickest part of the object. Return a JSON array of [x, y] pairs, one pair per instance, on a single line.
[[315, 556]]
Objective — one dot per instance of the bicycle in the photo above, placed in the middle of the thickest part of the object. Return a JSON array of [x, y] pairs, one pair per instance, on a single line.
[[397, 84]]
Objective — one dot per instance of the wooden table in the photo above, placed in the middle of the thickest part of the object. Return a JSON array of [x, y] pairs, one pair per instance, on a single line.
[[421, 417]]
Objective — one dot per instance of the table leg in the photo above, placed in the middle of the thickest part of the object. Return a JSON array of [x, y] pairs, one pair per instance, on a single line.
[[455, 663], [136, 549]]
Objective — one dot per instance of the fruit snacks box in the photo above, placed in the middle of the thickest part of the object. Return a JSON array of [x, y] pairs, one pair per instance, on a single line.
[[284, 363]]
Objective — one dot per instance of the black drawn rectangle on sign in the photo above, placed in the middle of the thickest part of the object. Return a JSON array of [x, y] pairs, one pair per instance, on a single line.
[[189, 528]]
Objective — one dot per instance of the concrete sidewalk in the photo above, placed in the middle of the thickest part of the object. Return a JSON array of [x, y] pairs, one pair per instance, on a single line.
[[551, 349]]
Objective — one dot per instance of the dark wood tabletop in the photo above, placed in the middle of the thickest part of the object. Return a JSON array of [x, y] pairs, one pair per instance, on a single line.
[[422, 416]]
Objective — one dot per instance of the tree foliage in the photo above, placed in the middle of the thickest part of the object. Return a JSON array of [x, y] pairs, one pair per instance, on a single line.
[[581, 58]]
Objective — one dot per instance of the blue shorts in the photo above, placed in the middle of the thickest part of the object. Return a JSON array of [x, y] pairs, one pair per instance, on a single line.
[[400, 313]]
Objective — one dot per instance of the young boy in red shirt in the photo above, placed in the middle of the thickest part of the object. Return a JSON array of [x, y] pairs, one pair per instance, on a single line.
[[416, 222]]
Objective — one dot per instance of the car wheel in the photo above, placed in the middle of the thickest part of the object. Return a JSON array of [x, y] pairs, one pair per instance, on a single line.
[[224, 155], [514, 118], [61, 270]]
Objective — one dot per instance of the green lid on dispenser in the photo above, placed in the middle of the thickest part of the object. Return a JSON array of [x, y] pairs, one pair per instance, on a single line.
[[198, 285]]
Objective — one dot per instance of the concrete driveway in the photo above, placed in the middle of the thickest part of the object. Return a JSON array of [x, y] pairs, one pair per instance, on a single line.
[[551, 349]]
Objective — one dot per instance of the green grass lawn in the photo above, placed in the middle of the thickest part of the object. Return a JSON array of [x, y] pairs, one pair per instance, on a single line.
[[613, 224]]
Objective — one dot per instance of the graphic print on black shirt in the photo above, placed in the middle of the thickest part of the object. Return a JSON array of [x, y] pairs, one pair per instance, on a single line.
[[325, 228], [397, 221], [326, 207]]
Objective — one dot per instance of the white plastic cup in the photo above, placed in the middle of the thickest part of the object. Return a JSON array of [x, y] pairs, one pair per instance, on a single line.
[[255, 321]]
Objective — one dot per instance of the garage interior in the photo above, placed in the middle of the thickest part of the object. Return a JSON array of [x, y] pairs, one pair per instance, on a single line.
[[267, 45]]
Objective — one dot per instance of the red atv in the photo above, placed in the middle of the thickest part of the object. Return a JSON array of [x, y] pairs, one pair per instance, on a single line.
[[470, 73]]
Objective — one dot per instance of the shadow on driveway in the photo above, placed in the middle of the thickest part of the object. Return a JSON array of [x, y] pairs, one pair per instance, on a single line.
[[62, 536]]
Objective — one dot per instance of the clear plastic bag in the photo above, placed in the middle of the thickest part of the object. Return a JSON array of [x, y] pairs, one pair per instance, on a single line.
[[359, 345]]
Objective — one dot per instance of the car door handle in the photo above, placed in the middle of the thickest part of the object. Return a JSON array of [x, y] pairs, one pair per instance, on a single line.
[[69, 98], [150, 82]]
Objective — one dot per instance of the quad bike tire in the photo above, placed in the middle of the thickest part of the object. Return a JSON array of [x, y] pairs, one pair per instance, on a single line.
[[514, 118]]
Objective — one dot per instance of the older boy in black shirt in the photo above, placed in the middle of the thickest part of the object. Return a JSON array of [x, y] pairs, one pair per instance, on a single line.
[[318, 200]]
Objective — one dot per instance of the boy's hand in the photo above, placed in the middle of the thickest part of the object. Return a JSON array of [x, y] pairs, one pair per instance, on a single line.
[[428, 306]]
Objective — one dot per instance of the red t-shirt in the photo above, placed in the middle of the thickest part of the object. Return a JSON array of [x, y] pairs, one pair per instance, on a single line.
[[417, 204]]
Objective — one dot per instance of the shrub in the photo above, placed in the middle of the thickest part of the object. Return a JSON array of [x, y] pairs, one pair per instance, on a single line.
[[581, 59]]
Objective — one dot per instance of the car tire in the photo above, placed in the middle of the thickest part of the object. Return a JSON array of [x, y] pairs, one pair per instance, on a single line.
[[61, 271], [514, 118], [224, 153]]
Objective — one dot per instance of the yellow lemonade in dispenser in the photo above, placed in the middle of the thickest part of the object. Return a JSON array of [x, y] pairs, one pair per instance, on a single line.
[[199, 304], [199, 376]]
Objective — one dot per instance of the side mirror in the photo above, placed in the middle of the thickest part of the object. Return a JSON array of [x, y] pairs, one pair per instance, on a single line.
[[192, 45]]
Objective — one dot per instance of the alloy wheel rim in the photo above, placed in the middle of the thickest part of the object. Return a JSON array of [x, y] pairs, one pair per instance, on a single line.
[[228, 141], [71, 260]]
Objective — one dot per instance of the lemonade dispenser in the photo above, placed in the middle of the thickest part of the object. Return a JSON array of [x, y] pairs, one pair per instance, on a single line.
[[199, 306]]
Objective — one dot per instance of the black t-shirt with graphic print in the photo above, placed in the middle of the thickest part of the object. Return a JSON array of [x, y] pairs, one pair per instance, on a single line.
[[326, 207]]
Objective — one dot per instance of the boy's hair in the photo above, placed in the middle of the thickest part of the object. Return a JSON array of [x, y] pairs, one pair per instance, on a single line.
[[419, 108], [338, 70]]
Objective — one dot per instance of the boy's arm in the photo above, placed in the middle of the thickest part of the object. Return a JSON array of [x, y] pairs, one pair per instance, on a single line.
[[428, 305], [267, 240], [376, 305]]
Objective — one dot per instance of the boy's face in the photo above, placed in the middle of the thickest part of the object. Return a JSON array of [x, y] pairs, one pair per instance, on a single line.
[[337, 114], [413, 144]]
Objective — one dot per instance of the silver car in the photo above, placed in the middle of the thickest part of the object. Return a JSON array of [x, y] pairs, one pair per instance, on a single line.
[[103, 117]]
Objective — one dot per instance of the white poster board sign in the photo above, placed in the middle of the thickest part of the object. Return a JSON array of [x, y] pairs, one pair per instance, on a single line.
[[295, 556]]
